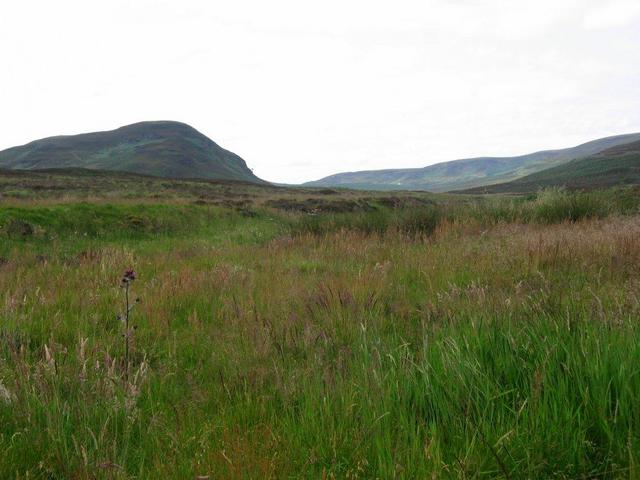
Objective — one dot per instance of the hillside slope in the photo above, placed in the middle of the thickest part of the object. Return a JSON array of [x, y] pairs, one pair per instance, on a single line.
[[161, 148], [619, 165], [469, 173]]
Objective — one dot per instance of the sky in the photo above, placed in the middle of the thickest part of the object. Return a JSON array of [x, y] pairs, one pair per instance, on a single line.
[[304, 89]]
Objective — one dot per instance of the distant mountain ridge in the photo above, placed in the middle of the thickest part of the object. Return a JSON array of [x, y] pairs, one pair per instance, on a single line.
[[160, 148], [615, 166], [471, 172]]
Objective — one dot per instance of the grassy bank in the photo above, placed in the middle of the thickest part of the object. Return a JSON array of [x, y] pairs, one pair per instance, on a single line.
[[481, 338]]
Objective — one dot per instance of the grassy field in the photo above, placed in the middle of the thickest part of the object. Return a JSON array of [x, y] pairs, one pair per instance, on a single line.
[[310, 334]]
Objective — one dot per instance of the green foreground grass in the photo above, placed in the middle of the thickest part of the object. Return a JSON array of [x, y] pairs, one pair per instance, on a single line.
[[493, 338]]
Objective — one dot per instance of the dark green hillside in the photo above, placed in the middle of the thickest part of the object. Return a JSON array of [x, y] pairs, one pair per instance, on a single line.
[[618, 165], [470, 172], [163, 148]]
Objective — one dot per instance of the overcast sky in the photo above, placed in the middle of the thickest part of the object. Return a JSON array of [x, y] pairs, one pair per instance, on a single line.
[[305, 89]]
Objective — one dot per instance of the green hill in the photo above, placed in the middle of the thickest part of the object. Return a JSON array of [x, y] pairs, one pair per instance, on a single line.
[[162, 148], [469, 173], [619, 165]]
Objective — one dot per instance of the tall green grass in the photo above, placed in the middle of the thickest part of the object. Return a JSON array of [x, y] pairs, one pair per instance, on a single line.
[[108, 220], [548, 206], [415, 221], [384, 344], [553, 206]]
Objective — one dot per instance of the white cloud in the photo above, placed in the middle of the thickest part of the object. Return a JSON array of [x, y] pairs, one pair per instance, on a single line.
[[611, 14]]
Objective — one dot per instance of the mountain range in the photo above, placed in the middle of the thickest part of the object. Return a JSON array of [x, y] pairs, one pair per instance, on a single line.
[[470, 172], [616, 166], [159, 148], [176, 150]]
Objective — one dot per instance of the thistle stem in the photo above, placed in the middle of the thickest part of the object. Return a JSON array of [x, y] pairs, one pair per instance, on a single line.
[[126, 334]]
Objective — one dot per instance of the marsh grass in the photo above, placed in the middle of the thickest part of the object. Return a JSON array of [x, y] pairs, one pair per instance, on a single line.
[[556, 205], [548, 206], [474, 340]]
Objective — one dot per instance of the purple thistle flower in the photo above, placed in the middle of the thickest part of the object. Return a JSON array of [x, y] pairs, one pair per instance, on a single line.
[[128, 277]]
